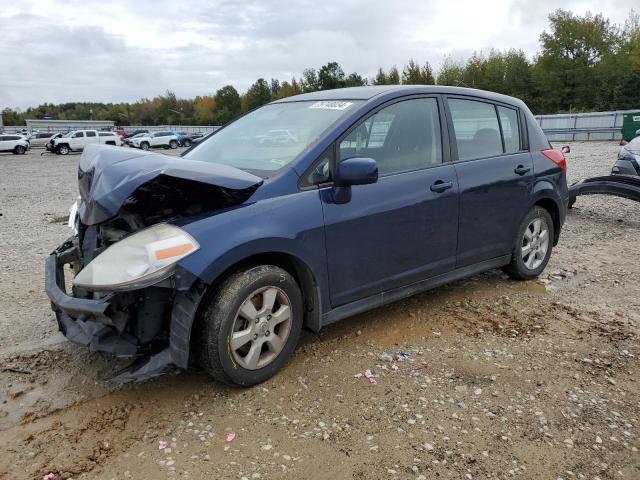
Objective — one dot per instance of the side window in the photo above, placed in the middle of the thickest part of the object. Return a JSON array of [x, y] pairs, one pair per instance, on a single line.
[[510, 129], [78, 135], [91, 134], [402, 137], [476, 129]]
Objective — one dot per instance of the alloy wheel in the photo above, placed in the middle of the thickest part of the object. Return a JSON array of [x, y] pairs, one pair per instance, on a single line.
[[535, 243], [261, 328]]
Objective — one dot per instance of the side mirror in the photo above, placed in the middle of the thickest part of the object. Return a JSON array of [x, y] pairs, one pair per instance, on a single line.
[[356, 171], [566, 149]]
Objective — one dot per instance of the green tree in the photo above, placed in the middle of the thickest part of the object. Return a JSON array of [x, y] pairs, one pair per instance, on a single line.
[[228, 104], [451, 73], [309, 80], [413, 74], [380, 78], [568, 68], [330, 76], [258, 94]]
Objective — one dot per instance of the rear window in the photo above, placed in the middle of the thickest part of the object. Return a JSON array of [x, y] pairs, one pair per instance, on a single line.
[[91, 134]]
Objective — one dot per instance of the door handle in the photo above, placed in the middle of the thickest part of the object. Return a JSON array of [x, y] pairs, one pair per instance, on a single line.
[[439, 186], [521, 169]]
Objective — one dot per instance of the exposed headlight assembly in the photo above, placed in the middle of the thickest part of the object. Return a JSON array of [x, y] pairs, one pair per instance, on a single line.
[[139, 260]]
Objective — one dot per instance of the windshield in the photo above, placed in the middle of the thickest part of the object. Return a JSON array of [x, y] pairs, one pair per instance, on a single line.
[[269, 138]]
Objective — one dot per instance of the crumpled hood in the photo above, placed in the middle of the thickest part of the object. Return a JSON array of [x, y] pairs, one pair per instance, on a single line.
[[112, 178]]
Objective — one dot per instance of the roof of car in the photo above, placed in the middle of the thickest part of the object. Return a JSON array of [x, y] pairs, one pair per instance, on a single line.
[[369, 92]]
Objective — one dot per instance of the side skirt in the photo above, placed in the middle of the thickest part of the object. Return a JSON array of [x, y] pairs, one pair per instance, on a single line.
[[396, 294]]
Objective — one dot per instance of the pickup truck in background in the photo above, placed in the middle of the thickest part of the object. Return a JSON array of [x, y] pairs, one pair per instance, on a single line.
[[76, 140]]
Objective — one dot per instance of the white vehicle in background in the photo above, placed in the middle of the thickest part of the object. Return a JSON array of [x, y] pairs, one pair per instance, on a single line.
[[39, 139], [76, 140], [155, 140], [15, 143]]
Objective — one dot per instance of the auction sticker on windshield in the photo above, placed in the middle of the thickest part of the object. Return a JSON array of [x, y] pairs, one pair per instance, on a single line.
[[327, 105]]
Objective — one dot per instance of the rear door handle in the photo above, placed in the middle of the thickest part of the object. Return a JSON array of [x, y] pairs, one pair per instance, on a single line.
[[521, 169], [439, 186]]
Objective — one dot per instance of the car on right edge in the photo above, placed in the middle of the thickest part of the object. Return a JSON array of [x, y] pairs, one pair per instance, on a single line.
[[223, 255]]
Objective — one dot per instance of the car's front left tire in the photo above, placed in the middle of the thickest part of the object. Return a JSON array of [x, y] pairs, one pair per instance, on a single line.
[[173, 144], [250, 325], [533, 245], [19, 150]]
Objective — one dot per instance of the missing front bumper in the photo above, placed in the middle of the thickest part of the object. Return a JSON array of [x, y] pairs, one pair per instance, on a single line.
[[161, 318]]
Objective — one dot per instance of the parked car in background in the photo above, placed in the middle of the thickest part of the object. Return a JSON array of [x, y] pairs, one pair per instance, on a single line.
[[40, 139], [185, 139], [135, 132], [384, 192], [129, 140], [77, 140], [163, 139], [14, 143]]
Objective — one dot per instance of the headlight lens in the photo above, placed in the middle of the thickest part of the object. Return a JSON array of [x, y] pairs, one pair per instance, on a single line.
[[139, 260]]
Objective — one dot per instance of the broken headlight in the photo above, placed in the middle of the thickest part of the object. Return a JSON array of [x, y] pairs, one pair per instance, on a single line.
[[138, 260]]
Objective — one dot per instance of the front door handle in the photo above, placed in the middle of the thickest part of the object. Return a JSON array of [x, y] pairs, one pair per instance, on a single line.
[[439, 186], [521, 169]]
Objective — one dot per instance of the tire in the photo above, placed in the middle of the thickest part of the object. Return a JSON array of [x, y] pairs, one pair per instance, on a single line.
[[527, 266], [173, 144], [187, 143], [222, 315], [19, 150], [144, 146], [63, 149]]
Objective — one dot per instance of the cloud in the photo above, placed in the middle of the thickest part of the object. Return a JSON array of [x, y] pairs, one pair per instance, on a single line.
[[56, 51]]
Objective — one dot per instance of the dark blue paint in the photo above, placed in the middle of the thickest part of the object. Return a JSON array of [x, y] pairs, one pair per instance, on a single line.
[[398, 231]]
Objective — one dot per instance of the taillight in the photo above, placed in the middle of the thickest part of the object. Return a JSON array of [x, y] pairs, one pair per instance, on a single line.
[[556, 157]]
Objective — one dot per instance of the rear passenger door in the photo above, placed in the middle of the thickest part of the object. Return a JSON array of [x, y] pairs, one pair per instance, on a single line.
[[92, 137], [495, 176]]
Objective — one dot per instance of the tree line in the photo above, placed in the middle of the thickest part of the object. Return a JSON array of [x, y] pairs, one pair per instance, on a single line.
[[585, 63]]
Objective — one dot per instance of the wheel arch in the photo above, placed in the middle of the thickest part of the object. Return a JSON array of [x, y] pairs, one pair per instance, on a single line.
[[188, 304], [551, 206]]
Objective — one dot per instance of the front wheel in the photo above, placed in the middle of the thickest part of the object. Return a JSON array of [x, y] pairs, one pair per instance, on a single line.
[[173, 144], [250, 325], [19, 150], [187, 143], [63, 149], [533, 245], [144, 146]]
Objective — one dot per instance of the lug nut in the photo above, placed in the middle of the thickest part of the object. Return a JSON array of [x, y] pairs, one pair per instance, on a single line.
[[255, 337], [268, 317], [266, 334]]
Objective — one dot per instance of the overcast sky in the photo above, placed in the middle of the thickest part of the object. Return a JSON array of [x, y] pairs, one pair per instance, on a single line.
[[88, 50]]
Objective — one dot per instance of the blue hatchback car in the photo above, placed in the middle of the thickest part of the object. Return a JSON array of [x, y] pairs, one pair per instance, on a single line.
[[303, 212]]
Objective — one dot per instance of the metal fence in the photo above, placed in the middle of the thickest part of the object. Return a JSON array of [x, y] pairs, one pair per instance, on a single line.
[[569, 127]]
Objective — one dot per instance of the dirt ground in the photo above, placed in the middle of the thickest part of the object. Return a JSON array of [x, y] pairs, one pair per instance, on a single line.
[[500, 379]]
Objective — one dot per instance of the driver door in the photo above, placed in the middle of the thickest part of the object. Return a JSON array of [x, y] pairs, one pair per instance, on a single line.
[[403, 228]]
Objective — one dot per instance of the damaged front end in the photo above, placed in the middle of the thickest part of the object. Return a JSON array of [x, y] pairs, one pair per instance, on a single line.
[[129, 296]]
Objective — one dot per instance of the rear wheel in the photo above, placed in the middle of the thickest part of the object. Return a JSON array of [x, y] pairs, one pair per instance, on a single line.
[[533, 245], [19, 150], [173, 144], [250, 325]]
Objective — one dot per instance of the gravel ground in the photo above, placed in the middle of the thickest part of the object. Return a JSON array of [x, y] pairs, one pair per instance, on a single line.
[[501, 379]]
